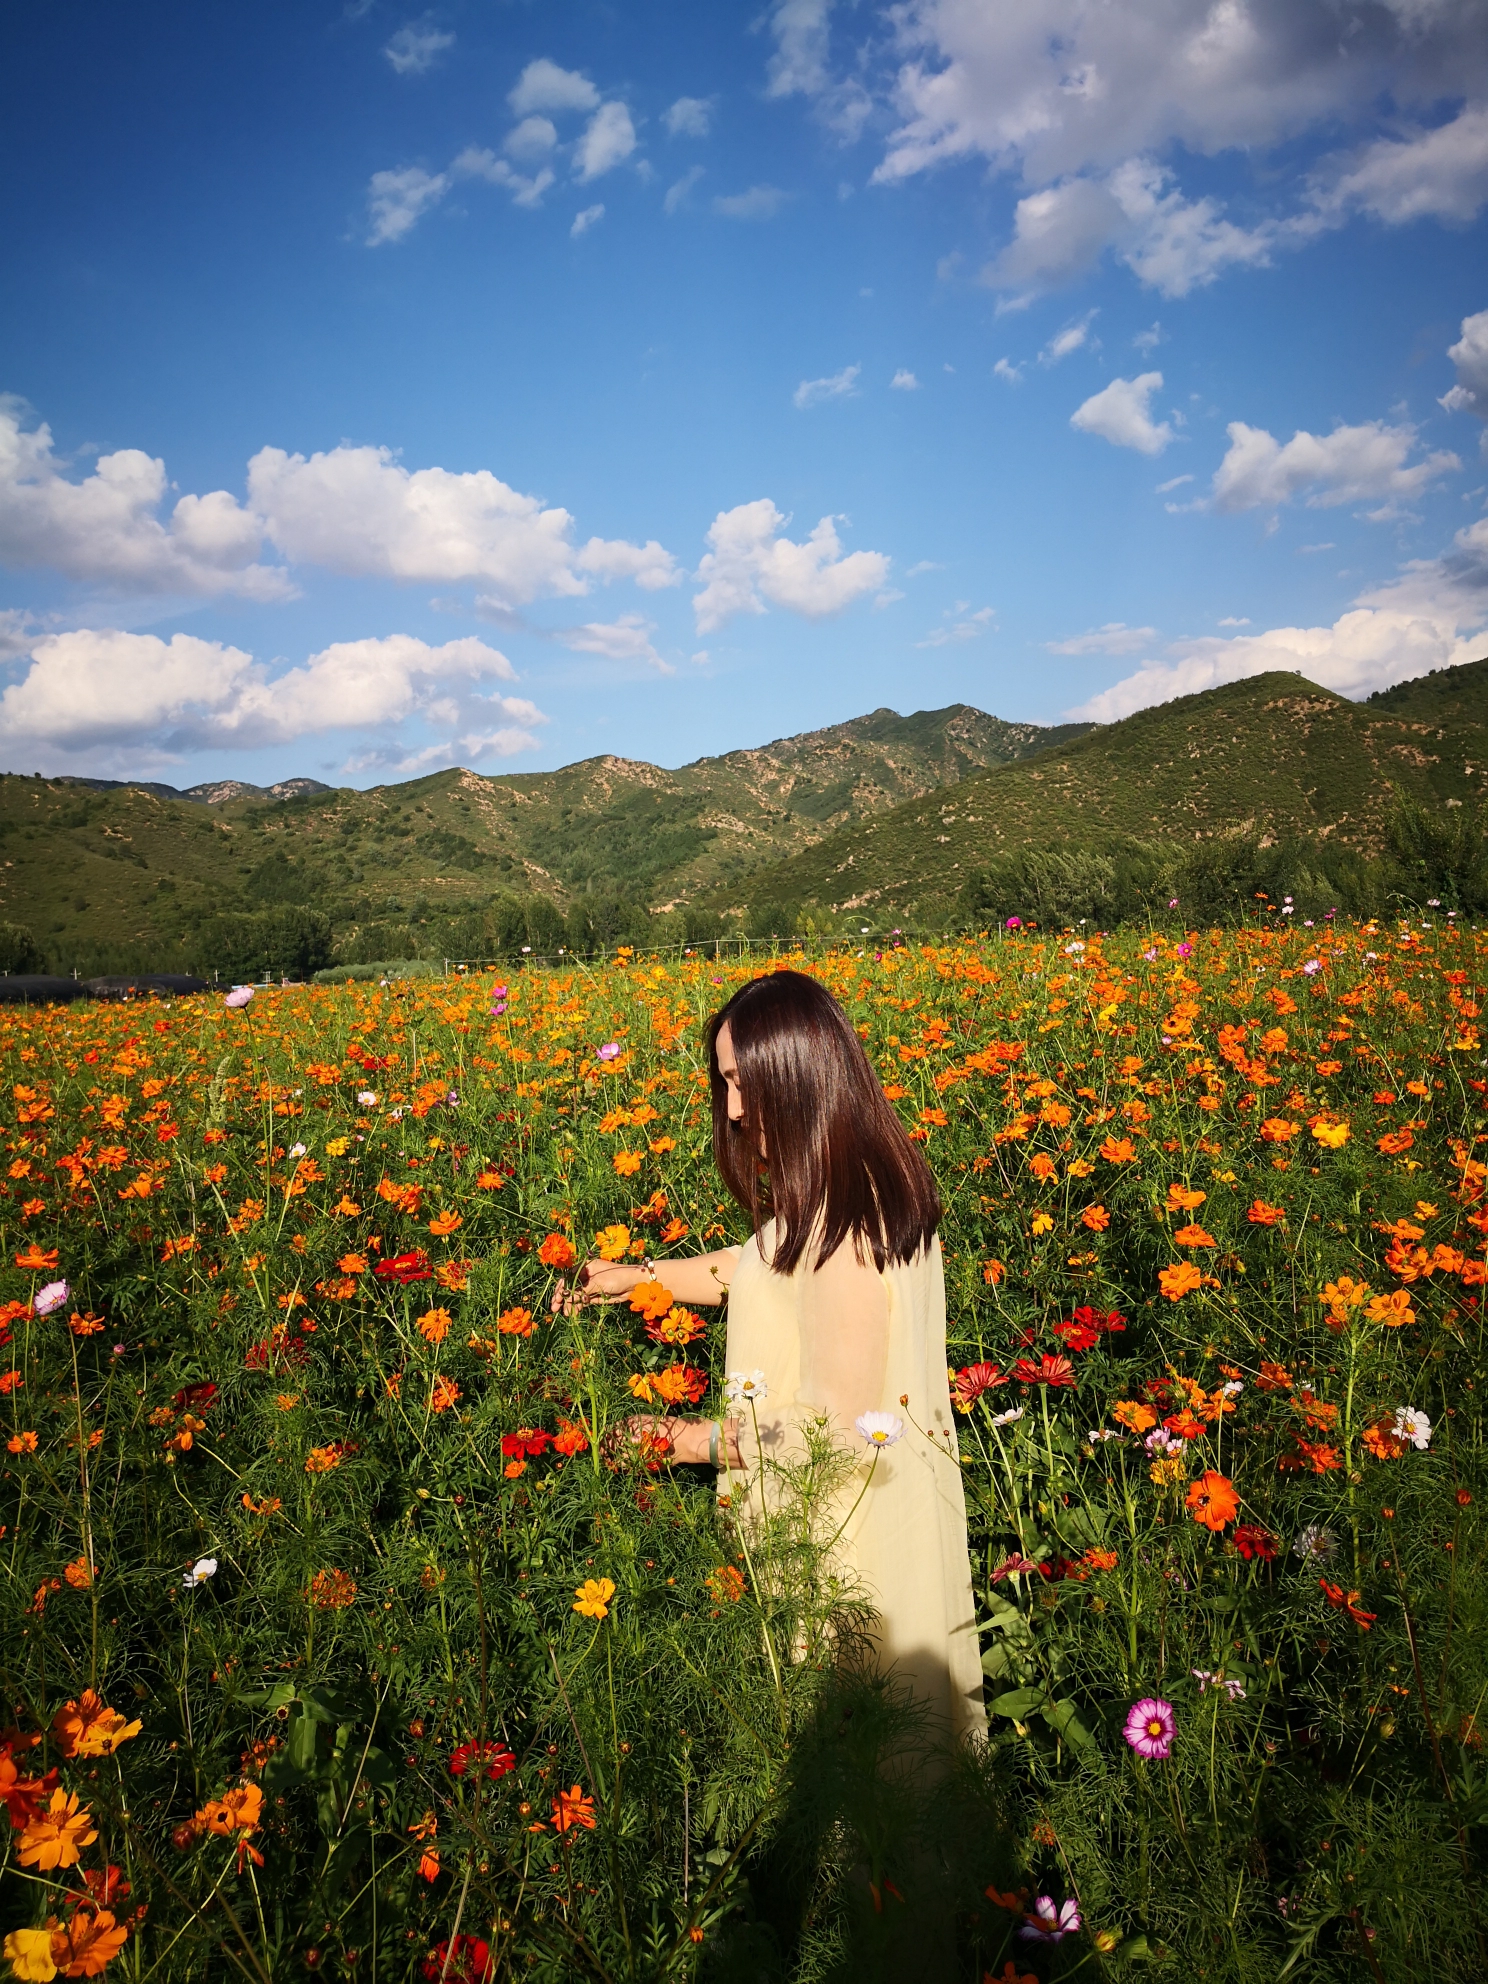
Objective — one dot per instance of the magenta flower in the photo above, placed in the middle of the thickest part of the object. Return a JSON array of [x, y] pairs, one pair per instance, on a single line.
[[1150, 1727], [1048, 1924], [55, 1294], [1015, 923]]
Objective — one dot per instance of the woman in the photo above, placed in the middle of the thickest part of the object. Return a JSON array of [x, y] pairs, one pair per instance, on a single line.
[[838, 1302]]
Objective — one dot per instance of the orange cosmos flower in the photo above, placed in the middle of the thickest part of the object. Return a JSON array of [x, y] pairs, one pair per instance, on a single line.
[[515, 1322], [1277, 1130], [651, 1300], [444, 1223], [434, 1325], [1118, 1150], [332, 1591], [1100, 1560], [21, 1443], [238, 1810], [36, 1260], [1332, 1136], [1343, 1601], [1136, 1417], [86, 1943], [1096, 1218], [1394, 1141], [612, 1242], [1381, 1439], [321, 1460], [1194, 1236], [572, 1808], [488, 1180], [626, 1163], [726, 1584], [993, 1272], [79, 1574], [1212, 1500], [445, 1394], [1261, 1214], [570, 1438], [1393, 1310], [57, 1835], [1182, 1198], [1179, 1280], [86, 1728], [1042, 1166], [556, 1252], [592, 1599]]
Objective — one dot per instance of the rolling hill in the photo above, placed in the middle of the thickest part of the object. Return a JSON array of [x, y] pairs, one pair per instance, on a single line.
[[1272, 757], [96, 868]]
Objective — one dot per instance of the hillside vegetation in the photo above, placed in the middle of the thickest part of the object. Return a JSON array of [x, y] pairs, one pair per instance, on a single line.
[[1271, 760], [130, 876]]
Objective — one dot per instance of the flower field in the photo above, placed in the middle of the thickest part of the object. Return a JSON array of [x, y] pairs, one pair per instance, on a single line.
[[342, 1636]]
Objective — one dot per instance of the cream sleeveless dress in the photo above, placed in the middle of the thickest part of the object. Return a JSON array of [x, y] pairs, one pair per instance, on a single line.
[[826, 1350]]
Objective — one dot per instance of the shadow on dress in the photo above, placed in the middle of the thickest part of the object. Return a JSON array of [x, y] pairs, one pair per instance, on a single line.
[[887, 1838]]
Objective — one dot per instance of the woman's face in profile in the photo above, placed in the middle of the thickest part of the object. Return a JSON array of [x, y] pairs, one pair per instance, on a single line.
[[728, 1067]]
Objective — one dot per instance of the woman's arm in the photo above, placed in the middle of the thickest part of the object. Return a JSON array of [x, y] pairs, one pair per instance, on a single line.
[[690, 1440], [697, 1279]]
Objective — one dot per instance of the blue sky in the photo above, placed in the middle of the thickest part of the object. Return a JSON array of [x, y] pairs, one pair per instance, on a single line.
[[500, 384]]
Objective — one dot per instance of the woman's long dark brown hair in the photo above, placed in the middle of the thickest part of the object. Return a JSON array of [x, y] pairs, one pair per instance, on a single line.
[[839, 1160]]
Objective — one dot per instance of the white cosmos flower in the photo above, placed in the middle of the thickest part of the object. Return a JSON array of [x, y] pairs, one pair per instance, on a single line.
[[748, 1387], [879, 1429], [1102, 1434], [1413, 1425], [297, 1150], [201, 1570], [1008, 1418], [366, 1098]]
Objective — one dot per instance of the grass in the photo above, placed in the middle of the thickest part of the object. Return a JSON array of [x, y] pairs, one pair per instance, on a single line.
[[309, 1247]]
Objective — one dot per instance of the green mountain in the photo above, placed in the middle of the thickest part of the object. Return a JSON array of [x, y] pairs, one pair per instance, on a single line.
[[1271, 758], [112, 874]]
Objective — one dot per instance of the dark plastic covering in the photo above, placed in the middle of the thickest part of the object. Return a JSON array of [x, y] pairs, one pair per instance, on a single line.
[[35, 989], [148, 985]]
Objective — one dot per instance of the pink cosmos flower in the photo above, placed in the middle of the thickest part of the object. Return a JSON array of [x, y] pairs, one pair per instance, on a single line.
[[1015, 923], [1151, 1726], [239, 996], [609, 1052], [1050, 1924], [53, 1296]]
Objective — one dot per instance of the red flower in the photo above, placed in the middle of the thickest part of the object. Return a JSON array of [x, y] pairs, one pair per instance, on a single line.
[[1094, 1319], [465, 1961], [525, 1444], [1077, 1336], [973, 1381], [1252, 1539], [492, 1760], [194, 1398], [404, 1268], [1048, 1371], [1347, 1601]]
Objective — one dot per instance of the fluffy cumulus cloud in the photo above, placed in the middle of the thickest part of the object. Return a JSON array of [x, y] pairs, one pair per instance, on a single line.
[[398, 199], [526, 188], [106, 528], [1121, 413], [1434, 616], [1350, 465], [1082, 103], [1470, 357], [543, 86], [93, 693], [360, 512], [609, 139], [750, 564], [689, 117]]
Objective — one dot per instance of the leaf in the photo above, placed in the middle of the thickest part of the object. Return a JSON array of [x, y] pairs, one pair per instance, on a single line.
[[1017, 1702], [1063, 1718]]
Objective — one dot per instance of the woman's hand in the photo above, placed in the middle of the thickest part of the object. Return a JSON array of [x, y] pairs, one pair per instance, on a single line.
[[685, 1442], [603, 1281]]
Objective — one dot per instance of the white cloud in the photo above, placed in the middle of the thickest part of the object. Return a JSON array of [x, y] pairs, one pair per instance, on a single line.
[[96, 691], [609, 139], [759, 203], [1173, 482], [904, 381], [689, 117], [924, 565], [19, 633], [625, 639], [1149, 340], [1120, 414], [1012, 373], [396, 201], [1470, 356], [1114, 638], [749, 564], [964, 626], [1434, 616], [800, 31], [1230, 620], [1349, 465], [1438, 175], [585, 220], [1071, 338], [534, 137], [841, 385], [542, 85], [358, 511], [676, 194], [415, 48], [105, 530], [475, 162]]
